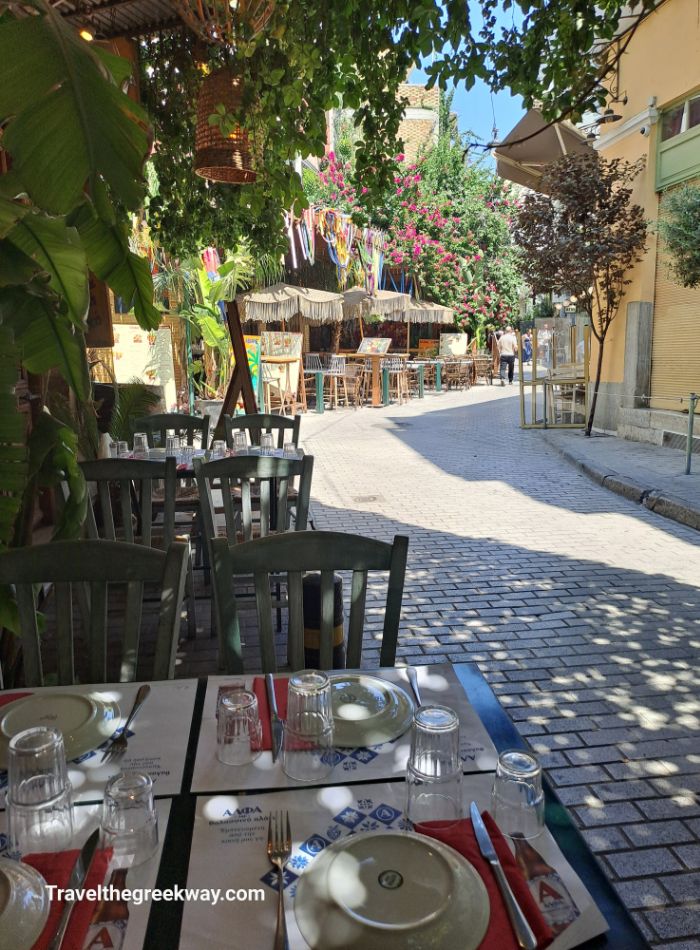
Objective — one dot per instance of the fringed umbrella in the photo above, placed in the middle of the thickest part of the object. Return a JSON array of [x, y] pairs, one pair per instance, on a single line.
[[423, 311], [357, 303], [283, 301]]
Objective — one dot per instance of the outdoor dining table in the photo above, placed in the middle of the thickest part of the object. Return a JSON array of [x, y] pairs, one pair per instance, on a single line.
[[376, 361], [218, 807]]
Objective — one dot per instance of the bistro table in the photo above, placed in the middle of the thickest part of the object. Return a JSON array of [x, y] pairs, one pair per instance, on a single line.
[[376, 360], [165, 921]]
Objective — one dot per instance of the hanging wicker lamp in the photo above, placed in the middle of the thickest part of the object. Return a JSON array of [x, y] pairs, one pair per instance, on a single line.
[[216, 157], [228, 22]]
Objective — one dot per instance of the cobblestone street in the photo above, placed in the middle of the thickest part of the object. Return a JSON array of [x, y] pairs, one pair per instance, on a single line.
[[581, 608]]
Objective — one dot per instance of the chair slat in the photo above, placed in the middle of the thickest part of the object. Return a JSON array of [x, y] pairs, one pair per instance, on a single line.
[[246, 510], [64, 634], [356, 624], [106, 505], [97, 645], [132, 632], [327, 603], [147, 513], [265, 507], [31, 644], [282, 514], [295, 639], [126, 510], [263, 600]]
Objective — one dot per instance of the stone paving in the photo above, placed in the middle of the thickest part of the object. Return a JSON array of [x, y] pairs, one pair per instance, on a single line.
[[580, 607]]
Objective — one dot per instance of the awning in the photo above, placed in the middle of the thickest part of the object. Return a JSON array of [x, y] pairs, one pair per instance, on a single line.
[[525, 162], [284, 301], [423, 311], [357, 302]]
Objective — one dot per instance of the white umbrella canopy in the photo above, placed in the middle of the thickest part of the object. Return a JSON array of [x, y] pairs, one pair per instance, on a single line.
[[357, 302], [284, 301], [423, 311]]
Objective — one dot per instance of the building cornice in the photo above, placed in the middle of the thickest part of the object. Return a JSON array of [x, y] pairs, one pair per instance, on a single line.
[[648, 117]]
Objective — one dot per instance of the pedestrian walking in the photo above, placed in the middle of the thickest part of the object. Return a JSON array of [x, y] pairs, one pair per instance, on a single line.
[[527, 347], [507, 348]]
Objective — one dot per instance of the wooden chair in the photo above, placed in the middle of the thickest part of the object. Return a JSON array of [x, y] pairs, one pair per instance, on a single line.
[[294, 554], [312, 366], [97, 565], [160, 425], [398, 378], [255, 424], [132, 481]]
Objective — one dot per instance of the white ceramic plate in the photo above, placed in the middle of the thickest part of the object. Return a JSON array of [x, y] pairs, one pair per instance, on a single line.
[[368, 710], [400, 891], [24, 905], [85, 720]]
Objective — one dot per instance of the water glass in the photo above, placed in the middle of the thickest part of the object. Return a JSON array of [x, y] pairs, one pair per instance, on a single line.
[[307, 741], [240, 443], [238, 729], [267, 443], [172, 446], [129, 819], [140, 445], [123, 449], [218, 449], [114, 450], [39, 806], [290, 450], [434, 769], [517, 798]]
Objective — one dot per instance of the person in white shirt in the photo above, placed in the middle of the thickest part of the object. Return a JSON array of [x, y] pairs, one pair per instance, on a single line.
[[508, 348]]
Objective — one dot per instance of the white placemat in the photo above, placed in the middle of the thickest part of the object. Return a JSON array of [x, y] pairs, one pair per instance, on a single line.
[[157, 738], [229, 852], [86, 818], [438, 684]]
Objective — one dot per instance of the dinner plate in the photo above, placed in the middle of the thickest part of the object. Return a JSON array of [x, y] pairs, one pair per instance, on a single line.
[[24, 905], [400, 891], [368, 710], [85, 720]]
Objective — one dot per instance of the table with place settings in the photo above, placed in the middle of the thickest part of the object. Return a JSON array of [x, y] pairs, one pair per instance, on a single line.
[[215, 829]]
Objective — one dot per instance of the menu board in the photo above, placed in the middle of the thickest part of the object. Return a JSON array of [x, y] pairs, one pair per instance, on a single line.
[[379, 345]]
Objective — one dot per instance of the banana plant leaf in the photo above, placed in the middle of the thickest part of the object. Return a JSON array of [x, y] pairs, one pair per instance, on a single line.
[[59, 251], [44, 335], [71, 123], [13, 452], [53, 458], [16, 267], [10, 213]]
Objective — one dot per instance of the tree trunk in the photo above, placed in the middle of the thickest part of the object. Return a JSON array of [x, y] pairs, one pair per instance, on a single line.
[[596, 384]]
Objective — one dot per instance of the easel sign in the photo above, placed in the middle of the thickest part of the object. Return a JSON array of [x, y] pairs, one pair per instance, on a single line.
[[375, 345]]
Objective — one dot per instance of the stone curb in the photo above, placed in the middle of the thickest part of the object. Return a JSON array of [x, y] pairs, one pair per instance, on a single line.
[[655, 499]]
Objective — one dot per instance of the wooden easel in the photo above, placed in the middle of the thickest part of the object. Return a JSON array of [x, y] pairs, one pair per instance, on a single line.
[[241, 383]]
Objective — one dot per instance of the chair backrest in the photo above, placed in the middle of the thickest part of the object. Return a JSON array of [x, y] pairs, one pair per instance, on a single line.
[[97, 565], [254, 424], [312, 363], [294, 554], [254, 489], [174, 423], [337, 366], [133, 479]]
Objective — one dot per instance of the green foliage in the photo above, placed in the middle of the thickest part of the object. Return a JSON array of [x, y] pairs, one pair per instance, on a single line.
[[679, 227], [13, 450], [53, 459], [134, 401]]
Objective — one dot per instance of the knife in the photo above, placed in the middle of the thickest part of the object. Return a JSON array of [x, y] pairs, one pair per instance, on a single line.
[[75, 881], [523, 932], [413, 680], [275, 721]]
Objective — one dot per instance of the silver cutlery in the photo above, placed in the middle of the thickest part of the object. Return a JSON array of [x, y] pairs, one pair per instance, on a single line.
[[76, 881], [275, 721], [523, 932], [413, 680], [118, 745], [279, 847]]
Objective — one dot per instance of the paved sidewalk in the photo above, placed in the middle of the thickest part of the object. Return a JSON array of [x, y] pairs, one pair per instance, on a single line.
[[581, 608], [647, 474]]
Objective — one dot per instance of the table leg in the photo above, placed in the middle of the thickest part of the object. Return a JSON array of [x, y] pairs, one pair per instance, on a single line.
[[385, 387], [421, 382], [376, 392], [438, 377], [319, 392]]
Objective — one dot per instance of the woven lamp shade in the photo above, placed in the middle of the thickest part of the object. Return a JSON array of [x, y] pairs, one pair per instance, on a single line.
[[227, 22], [215, 157]]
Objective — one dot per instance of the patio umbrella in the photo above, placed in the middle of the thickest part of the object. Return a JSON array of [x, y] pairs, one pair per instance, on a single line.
[[423, 311], [385, 303], [284, 301]]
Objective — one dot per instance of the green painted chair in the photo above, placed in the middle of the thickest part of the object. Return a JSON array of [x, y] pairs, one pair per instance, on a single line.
[[137, 484], [96, 565], [254, 424], [159, 426], [294, 554]]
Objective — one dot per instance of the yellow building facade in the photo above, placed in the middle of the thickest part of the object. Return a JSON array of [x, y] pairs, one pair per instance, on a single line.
[[652, 352]]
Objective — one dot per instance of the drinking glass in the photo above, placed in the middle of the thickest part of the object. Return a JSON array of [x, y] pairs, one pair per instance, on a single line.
[[123, 449], [434, 769], [517, 798], [218, 449], [114, 450], [290, 450], [267, 443], [140, 445], [39, 806], [172, 446], [240, 443], [129, 819], [307, 740], [238, 730]]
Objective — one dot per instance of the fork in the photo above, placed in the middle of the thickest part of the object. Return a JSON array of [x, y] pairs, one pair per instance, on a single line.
[[279, 846], [118, 745]]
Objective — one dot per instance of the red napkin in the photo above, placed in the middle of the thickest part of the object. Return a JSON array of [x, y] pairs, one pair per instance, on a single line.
[[499, 935], [11, 697], [55, 867], [281, 688]]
